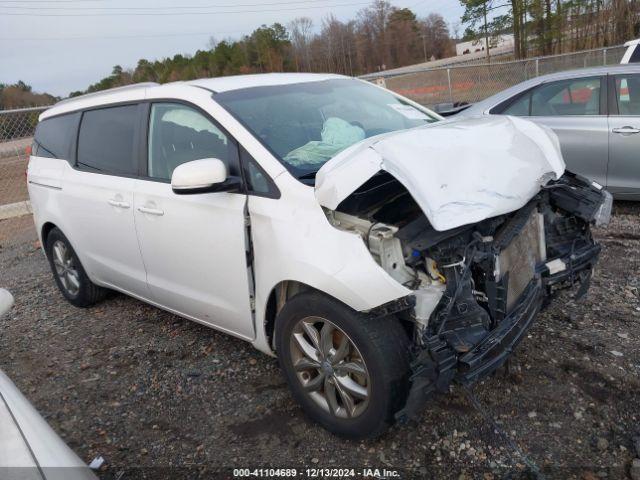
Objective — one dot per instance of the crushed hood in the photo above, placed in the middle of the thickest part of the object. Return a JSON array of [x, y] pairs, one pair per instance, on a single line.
[[459, 172]]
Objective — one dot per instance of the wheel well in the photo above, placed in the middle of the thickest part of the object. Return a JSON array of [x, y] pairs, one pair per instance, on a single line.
[[46, 228], [286, 289], [282, 292]]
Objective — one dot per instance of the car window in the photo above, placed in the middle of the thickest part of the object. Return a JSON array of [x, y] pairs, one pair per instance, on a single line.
[[520, 107], [635, 56], [106, 140], [628, 94], [56, 136], [580, 96], [180, 134], [258, 182]]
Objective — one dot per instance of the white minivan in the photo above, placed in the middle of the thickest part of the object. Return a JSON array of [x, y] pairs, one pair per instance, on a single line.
[[380, 252]]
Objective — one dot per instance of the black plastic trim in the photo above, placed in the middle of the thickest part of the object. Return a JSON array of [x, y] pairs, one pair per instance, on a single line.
[[496, 347]]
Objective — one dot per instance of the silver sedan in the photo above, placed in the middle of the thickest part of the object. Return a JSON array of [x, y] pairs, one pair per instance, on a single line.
[[596, 114]]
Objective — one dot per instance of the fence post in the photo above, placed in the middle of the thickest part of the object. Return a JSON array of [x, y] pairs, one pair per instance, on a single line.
[[449, 82], [537, 67], [604, 57]]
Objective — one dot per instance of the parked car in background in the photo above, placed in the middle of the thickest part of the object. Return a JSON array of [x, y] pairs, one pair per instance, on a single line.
[[596, 114], [346, 229], [632, 54], [29, 448]]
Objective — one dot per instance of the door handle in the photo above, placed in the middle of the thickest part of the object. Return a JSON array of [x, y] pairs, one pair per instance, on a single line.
[[627, 130], [151, 211], [118, 203]]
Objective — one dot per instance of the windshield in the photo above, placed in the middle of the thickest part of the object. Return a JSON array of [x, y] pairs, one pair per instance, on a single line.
[[306, 124]]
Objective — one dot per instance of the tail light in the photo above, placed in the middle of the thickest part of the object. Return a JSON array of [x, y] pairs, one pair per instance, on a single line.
[[27, 151]]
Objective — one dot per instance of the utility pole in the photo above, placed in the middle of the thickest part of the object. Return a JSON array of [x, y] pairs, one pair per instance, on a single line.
[[486, 31], [424, 46]]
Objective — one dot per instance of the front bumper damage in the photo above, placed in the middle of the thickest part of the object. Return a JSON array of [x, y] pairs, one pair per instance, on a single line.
[[470, 337]]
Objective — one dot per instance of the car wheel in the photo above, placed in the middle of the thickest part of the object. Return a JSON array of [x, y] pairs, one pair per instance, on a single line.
[[70, 276], [348, 371]]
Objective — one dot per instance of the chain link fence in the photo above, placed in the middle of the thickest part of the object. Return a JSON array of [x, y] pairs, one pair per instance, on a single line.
[[16, 133], [472, 83], [18, 123]]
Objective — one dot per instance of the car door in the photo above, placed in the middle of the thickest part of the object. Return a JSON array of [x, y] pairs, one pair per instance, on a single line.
[[575, 109], [623, 178], [194, 246], [97, 198]]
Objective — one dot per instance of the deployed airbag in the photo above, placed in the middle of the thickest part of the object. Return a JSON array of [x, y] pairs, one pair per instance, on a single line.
[[337, 134]]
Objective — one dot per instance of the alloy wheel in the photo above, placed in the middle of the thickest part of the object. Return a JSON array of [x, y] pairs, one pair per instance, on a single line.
[[330, 367], [66, 268]]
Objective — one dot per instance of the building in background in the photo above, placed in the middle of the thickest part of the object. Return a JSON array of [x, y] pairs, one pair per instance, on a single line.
[[498, 44]]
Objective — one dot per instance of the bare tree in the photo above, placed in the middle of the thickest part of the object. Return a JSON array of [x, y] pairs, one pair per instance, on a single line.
[[300, 30], [436, 36]]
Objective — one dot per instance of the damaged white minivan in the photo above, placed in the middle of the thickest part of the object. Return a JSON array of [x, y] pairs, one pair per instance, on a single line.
[[379, 252]]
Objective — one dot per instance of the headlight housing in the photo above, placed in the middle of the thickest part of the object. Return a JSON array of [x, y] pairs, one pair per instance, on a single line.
[[603, 215]]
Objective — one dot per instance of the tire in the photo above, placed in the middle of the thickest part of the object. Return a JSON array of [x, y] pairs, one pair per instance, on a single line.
[[380, 345], [81, 292]]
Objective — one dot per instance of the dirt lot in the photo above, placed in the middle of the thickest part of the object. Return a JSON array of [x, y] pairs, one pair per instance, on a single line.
[[13, 184], [153, 393]]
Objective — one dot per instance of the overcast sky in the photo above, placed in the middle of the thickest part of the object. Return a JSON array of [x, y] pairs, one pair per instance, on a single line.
[[59, 46]]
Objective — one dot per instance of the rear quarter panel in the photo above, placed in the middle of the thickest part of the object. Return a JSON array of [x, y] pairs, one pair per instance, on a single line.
[[44, 183]]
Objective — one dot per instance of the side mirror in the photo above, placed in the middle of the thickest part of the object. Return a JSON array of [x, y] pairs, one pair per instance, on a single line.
[[203, 176], [6, 301]]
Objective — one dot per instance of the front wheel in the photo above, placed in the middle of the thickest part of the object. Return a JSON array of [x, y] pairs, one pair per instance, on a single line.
[[348, 371]]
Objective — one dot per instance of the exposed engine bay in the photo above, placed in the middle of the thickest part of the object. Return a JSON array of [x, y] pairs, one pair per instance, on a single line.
[[476, 288]]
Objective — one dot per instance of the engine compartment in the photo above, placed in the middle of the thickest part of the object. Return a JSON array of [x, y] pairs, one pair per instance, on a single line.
[[476, 288]]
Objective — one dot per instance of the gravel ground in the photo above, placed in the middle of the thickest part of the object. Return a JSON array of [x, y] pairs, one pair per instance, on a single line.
[[150, 391], [13, 183]]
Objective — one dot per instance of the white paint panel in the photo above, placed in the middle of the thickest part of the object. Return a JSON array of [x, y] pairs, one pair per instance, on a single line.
[[293, 240]]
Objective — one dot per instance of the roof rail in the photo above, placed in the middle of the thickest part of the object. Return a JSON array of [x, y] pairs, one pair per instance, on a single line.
[[133, 86]]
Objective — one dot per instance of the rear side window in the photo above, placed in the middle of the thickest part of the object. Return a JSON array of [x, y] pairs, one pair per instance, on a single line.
[[56, 136], [628, 94], [106, 141]]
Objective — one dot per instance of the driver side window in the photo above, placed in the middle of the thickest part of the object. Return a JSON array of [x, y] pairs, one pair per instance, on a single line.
[[180, 134], [580, 96]]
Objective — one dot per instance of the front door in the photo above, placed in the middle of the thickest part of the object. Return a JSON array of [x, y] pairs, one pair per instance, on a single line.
[[623, 178], [573, 109], [193, 246]]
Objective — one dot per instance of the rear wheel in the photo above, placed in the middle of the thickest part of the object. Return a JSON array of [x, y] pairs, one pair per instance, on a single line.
[[348, 371], [69, 274]]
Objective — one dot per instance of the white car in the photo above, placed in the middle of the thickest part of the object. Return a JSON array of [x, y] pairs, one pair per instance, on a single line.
[[379, 252]]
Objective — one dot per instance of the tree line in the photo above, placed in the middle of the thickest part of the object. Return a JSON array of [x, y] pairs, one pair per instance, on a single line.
[[380, 37], [546, 27], [20, 95]]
